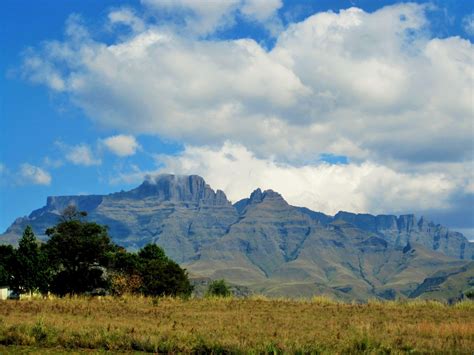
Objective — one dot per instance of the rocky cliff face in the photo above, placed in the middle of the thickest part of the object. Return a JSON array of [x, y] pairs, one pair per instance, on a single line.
[[175, 188], [181, 213], [407, 228], [264, 243]]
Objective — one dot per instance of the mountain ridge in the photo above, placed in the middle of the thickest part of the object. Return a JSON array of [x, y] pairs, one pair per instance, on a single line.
[[265, 243]]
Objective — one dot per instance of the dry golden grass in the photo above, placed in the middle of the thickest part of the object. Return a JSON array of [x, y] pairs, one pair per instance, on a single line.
[[250, 325]]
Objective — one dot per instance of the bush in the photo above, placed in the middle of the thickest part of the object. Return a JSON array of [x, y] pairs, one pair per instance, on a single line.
[[149, 272], [80, 258], [218, 288]]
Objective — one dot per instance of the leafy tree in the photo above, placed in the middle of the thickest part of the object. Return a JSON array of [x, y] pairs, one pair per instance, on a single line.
[[70, 213], [152, 252], [469, 294], [164, 278], [84, 259], [218, 288], [125, 275], [79, 251], [149, 272], [6, 259], [29, 267]]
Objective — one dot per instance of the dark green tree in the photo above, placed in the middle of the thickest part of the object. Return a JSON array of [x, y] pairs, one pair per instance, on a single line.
[[218, 288], [160, 275], [152, 252], [80, 252], [164, 278], [6, 260], [469, 294], [29, 268]]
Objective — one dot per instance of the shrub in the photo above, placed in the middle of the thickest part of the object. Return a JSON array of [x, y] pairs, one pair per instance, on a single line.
[[218, 288], [469, 294]]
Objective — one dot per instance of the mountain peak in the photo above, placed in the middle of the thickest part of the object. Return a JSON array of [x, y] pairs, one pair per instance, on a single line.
[[258, 196], [270, 194], [185, 188]]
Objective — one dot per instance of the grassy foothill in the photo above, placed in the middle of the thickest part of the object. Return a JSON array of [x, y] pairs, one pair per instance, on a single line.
[[256, 324]]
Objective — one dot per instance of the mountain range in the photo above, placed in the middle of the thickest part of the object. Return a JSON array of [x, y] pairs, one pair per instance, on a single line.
[[268, 246]]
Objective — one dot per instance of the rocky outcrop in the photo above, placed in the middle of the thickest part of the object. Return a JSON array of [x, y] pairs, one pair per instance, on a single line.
[[401, 230], [264, 243], [176, 188]]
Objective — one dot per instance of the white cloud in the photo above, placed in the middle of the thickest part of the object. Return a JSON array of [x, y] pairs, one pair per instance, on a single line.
[[52, 163], [261, 9], [371, 86], [121, 145], [205, 17], [80, 154], [200, 17], [126, 16], [34, 175], [367, 85], [356, 187], [366, 187], [468, 24], [131, 175]]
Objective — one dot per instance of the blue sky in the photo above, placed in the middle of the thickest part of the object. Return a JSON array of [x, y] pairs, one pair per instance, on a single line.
[[340, 105]]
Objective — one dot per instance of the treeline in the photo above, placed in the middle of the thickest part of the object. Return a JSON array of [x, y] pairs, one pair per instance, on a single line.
[[80, 258]]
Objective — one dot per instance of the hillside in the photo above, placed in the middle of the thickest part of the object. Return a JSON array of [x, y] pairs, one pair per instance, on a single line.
[[264, 243], [449, 284]]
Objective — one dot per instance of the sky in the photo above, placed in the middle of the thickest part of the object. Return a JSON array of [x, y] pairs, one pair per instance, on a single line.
[[362, 106]]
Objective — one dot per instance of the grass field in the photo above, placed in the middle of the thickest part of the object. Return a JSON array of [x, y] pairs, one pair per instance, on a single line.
[[136, 324]]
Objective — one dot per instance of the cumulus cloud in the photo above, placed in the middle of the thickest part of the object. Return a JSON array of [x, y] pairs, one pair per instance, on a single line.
[[260, 9], [365, 85], [369, 86], [121, 145], [365, 187], [127, 17], [34, 175], [205, 17], [357, 187], [468, 24], [80, 154], [131, 174]]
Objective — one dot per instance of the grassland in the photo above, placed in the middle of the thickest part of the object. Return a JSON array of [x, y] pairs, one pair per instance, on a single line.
[[137, 324]]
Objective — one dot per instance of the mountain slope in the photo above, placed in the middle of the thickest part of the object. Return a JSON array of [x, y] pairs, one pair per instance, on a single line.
[[266, 244], [447, 284], [181, 213]]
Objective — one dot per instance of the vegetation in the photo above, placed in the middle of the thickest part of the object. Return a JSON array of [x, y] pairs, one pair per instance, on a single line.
[[469, 294], [80, 258], [218, 288], [149, 272], [6, 255], [258, 325]]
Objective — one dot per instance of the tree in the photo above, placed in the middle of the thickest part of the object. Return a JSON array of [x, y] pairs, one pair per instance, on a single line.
[[218, 288], [29, 268], [6, 259], [152, 252], [149, 272], [84, 260], [70, 213], [161, 278], [125, 275], [80, 252]]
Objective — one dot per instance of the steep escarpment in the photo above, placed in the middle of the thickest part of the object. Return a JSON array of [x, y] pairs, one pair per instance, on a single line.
[[266, 244]]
